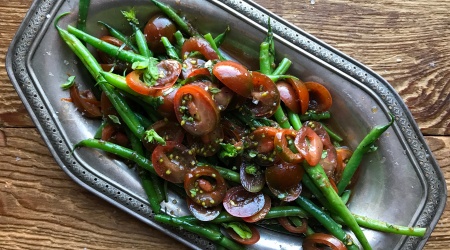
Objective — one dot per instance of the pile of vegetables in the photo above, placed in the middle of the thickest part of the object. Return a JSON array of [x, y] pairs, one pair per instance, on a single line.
[[245, 147]]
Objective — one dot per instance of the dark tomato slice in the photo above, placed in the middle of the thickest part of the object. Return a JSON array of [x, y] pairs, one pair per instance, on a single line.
[[322, 241], [157, 27], [193, 67], [319, 97], [201, 45], [261, 214], [255, 235], [205, 186], [309, 145], [208, 144], [109, 62], [262, 141], [195, 110], [223, 98], [166, 109], [85, 102], [242, 203], [235, 76], [169, 130], [115, 134], [284, 180], [252, 177], [265, 96], [106, 107], [172, 161], [343, 154], [281, 143], [302, 93], [286, 224], [328, 160], [202, 213], [288, 96]]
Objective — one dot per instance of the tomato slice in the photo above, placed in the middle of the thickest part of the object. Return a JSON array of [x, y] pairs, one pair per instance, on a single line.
[[319, 97], [172, 161], [205, 186], [328, 160], [284, 180], [286, 224], [255, 235], [262, 141], [169, 70], [115, 134], [321, 240], [343, 154], [194, 67], [157, 27], [242, 203], [252, 181], [288, 96], [207, 144], [85, 102], [201, 45], [302, 93], [203, 213], [309, 145], [109, 62], [166, 109], [195, 110], [262, 213], [265, 96], [168, 130], [235, 76], [106, 107], [281, 143]]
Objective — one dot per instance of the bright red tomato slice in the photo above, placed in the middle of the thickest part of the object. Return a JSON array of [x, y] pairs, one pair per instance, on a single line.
[[172, 161], [201, 45], [288, 96], [235, 76], [309, 145], [205, 186], [319, 97], [281, 142], [195, 110], [265, 96], [302, 93]]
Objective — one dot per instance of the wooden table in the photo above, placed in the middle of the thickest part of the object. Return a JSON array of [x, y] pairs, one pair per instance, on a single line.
[[406, 42]]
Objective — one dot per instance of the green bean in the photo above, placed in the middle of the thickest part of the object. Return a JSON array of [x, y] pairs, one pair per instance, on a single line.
[[179, 21], [143, 120], [283, 67], [271, 49], [119, 35], [294, 119], [179, 38], [141, 41], [170, 49], [320, 179], [208, 37], [119, 151], [276, 78], [108, 48], [149, 188], [362, 148], [332, 134], [213, 235], [98, 132], [326, 221], [345, 197], [311, 115], [94, 69], [221, 37], [281, 118], [83, 10], [265, 66]]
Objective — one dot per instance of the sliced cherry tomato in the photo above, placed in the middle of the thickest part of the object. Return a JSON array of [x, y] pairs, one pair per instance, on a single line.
[[202, 213], [265, 96], [169, 70], [308, 143], [343, 155], [201, 45], [207, 144], [261, 214], [85, 102], [322, 241], [286, 224], [242, 203], [115, 134], [109, 62], [235, 76], [252, 177], [205, 186], [166, 109], [328, 160], [255, 235], [319, 97], [106, 107], [194, 67], [262, 140], [157, 27], [302, 93], [288, 96], [195, 110], [223, 98], [168, 130], [284, 180], [281, 143], [172, 161]]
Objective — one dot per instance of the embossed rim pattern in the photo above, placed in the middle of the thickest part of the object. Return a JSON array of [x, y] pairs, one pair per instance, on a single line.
[[37, 17]]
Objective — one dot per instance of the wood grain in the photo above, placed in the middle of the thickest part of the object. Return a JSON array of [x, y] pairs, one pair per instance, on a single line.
[[406, 42]]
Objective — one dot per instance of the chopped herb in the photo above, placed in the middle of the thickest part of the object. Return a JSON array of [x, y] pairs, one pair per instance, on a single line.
[[240, 228], [152, 136], [130, 16], [70, 81], [114, 119]]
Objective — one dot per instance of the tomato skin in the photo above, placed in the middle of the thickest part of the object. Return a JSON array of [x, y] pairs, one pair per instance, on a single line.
[[319, 97], [212, 194], [320, 240], [242, 203], [265, 96], [235, 76], [174, 168], [201, 45], [254, 239], [157, 27], [262, 213], [85, 102], [284, 222], [288, 96], [196, 102], [193, 67]]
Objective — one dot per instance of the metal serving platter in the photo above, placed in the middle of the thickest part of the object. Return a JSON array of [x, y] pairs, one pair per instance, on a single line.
[[402, 181]]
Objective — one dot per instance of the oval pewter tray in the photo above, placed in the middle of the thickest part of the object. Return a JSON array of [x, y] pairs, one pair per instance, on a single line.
[[38, 62]]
